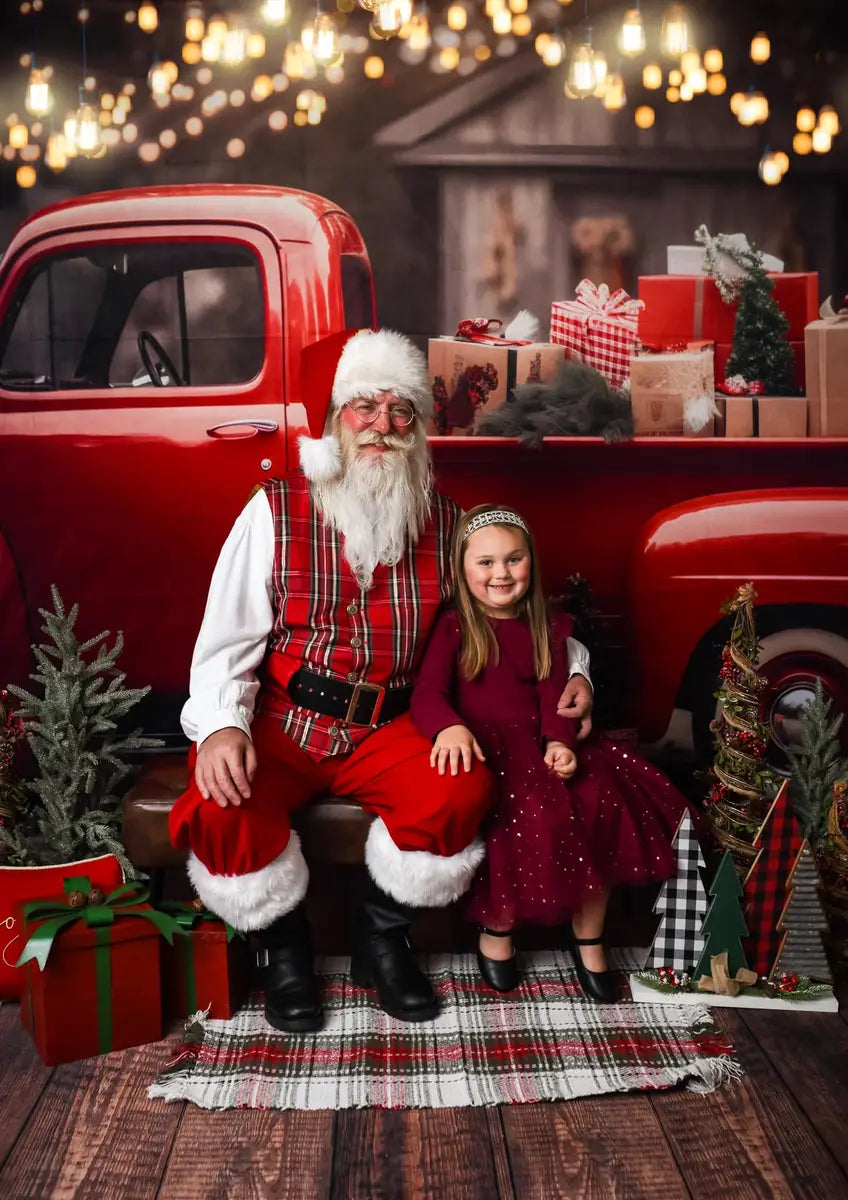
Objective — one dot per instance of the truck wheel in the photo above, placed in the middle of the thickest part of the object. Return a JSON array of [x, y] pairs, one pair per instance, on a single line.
[[790, 660]]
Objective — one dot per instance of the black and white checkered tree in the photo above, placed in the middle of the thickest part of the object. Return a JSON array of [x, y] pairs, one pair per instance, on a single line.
[[681, 905]]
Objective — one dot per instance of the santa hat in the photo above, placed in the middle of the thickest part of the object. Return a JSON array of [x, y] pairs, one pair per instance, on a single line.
[[348, 365]]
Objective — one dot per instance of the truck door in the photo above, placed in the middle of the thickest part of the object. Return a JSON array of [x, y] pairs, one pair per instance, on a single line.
[[141, 400]]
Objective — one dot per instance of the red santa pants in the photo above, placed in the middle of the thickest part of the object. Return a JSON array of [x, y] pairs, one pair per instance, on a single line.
[[246, 862]]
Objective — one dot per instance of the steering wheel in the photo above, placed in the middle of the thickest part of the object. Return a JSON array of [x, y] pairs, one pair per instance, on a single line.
[[157, 363]]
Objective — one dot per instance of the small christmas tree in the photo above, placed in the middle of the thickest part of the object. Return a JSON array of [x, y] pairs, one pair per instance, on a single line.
[[681, 904], [816, 765], [724, 925], [779, 841], [74, 810], [803, 919], [760, 349], [742, 786]]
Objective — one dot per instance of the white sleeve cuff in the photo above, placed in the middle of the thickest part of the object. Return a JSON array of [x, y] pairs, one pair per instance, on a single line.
[[578, 660]]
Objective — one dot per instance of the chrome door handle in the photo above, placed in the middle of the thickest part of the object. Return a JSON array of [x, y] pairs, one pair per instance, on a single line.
[[257, 424]]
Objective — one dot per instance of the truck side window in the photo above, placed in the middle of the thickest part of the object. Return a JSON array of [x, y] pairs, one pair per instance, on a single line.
[[76, 318], [356, 293]]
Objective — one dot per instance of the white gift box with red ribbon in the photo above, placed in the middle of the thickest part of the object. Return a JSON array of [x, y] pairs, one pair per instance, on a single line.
[[598, 327]]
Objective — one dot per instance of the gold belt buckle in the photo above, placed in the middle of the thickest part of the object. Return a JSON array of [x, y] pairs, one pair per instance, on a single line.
[[359, 687]]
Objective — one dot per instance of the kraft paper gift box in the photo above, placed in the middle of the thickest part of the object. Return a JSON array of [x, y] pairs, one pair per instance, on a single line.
[[827, 376], [598, 327], [663, 386], [92, 981], [764, 416], [470, 378], [682, 307], [205, 969]]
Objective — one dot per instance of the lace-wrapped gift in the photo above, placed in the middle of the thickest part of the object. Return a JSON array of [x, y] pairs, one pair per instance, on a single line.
[[672, 392]]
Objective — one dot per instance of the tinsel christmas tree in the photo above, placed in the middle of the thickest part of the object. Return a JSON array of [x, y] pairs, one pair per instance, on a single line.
[[760, 349], [73, 808], [741, 784], [816, 765]]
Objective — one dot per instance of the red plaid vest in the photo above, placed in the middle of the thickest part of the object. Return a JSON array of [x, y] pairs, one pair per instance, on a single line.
[[325, 622]]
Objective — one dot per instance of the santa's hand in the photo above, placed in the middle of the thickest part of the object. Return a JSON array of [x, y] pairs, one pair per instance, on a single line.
[[455, 745], [576, 702], [226, 763], [561, 760]]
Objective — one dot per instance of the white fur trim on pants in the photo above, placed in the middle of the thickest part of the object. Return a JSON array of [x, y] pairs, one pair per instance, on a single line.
[[416, 877], [254, 900]]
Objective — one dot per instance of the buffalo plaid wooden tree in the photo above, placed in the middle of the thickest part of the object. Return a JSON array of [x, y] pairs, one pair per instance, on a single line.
[[681, 904], [767, 883], [741, 784]]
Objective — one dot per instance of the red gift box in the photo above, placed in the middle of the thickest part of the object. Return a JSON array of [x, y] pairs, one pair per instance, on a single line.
[[99, 986], [723, 351], [599, 328], [206, 968], [681, 307]]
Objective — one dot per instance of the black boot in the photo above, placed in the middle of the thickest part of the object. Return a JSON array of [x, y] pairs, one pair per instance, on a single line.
[[287, 976], [599, 986], [383, 959]]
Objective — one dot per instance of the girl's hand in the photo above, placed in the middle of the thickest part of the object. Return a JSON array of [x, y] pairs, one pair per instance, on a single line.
[[454, 745], [561, 760]]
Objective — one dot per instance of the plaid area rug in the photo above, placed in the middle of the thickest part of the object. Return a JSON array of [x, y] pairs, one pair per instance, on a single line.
[[542, 1042]]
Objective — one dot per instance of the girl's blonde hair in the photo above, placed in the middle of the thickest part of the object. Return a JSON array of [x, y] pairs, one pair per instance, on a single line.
[[478, 642]]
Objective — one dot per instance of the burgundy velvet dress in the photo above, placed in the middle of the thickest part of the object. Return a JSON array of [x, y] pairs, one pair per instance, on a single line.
[[549, 843]]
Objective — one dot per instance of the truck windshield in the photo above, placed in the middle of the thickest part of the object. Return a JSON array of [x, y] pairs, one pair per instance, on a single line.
[[100, 318]]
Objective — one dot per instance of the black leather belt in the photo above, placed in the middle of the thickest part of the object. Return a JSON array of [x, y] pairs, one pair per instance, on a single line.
[[357, 703]]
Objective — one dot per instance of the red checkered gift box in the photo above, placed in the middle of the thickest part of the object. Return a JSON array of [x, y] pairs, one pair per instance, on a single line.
[[598, 327]]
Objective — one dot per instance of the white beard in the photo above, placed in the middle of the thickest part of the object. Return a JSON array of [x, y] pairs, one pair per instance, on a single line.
[[379, 502]]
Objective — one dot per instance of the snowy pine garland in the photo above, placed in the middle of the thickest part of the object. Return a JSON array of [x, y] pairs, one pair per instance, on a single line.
[[816, 765], [71, 727]]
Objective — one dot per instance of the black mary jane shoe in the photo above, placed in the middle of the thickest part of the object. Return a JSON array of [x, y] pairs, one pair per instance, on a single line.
[[598, 986], [501, 974]]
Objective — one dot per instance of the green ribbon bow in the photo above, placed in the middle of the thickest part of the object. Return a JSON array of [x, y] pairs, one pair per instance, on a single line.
[[187, 918], [124, 901]]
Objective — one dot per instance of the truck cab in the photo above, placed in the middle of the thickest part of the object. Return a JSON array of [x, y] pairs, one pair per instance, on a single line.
[[150, 348]]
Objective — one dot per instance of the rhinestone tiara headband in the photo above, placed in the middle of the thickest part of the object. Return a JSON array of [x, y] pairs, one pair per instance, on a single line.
[[495, 516]]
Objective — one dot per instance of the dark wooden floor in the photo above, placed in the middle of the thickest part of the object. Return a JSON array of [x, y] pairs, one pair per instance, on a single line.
[[86, 1131]]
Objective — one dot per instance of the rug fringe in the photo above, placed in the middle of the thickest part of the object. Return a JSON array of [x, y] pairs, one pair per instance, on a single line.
[[169, 1085], [711, 1073]]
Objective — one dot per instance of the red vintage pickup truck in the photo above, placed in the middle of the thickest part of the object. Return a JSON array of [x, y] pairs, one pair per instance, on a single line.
[[150, 347]]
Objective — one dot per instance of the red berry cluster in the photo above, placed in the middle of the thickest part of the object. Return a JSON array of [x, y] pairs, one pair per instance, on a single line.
[[752, 743], [716, 793], [670, 976], [787, 982]]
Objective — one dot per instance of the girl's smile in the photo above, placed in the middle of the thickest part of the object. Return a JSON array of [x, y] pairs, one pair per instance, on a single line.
[[497, 569]]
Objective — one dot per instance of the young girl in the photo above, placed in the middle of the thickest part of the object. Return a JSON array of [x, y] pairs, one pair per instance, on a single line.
[[572, 820]]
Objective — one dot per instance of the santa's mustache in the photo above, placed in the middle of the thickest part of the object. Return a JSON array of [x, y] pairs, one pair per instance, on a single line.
[[391, 441]]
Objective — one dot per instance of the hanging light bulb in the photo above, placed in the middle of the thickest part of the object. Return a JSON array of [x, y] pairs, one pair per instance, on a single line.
[[502, 22], [195, 24], [296, 60], [829, 120], [553, 51], [802, 143], [457, 17], [87, 132], [39, 98], [674, 35], [652, 76], [216, 27], [18, 136], [255, 45], [716, 84], [324, 45], [599, 65], [631, 35], [419, 32], [713, 59], [644, 116], [388, 20], [736, 102], [697, 80], [760, 48], [159, 79], [210, 49], [56, 156], [581, 81], [234, 47], [615, 97], [25, 177], [821, 140], [275, 12], [782, 160], [690, 61], [805, 120], [769, 171], [147, 17]]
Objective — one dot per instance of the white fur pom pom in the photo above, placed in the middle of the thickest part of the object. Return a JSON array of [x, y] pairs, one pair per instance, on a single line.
[[697, 412], [523, 327], [320, 458]]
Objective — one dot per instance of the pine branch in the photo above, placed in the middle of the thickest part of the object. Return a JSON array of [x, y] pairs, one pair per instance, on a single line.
[[816, 764]]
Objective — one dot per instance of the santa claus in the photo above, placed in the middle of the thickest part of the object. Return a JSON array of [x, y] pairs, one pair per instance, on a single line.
[[318, 611]]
